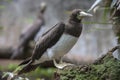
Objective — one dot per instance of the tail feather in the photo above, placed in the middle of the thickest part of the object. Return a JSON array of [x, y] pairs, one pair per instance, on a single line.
[[20, 70], [27, 66], [27, 69], [25, 61]]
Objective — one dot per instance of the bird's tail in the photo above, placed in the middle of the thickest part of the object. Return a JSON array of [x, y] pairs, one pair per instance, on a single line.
[[26, 61], [26, 66], [27, 69], [18, 71]]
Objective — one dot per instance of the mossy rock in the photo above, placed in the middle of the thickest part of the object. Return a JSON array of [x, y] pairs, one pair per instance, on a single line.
[[107, 69]]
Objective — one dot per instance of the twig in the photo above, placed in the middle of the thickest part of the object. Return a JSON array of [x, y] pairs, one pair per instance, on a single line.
[[103, 56]]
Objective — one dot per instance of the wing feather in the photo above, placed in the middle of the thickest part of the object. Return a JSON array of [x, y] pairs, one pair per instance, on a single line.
[[48, 39]]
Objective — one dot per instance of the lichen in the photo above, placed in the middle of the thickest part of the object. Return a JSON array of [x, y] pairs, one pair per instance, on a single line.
[[107, 69]]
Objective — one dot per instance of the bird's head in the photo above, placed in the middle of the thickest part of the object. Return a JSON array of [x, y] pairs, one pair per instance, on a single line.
[[43, 7], [78, 14]]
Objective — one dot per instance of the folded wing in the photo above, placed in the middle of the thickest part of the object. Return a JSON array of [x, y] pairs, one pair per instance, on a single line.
[[48, 39]]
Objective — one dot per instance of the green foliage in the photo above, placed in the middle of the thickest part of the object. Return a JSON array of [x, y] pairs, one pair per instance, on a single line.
[[29, 20], [12, 67], [106, 11], [108, 69], [34, 75], [1, 27], [2, 7], [40, 72], [8, 1]]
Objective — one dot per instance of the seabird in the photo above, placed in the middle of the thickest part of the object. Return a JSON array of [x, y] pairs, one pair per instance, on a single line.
[[29, 34], [55, 43]]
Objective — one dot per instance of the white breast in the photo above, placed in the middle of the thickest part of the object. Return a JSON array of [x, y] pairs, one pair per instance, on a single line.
[[62, 47]]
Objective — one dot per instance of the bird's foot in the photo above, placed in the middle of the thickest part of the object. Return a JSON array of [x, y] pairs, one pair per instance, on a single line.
[[62, 65]]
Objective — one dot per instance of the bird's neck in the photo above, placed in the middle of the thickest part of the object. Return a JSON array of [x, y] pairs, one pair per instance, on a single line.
[[73, 27], [74, 20], [40, 13]]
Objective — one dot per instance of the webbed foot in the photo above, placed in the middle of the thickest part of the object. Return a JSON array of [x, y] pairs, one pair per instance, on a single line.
[[61, 65]]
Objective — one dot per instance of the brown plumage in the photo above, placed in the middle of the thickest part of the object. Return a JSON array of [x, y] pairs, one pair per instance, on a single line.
[[56, 42], [29, 34]]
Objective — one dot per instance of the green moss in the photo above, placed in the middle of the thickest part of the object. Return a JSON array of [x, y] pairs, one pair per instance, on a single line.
[[40, 72], [107, 69], [12, 67]]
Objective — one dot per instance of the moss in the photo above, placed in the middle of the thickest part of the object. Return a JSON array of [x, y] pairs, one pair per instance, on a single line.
[[107, 69], [41, 73]]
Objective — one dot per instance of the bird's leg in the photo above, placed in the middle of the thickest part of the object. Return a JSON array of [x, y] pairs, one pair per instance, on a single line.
[[61, 65], [61, 61]]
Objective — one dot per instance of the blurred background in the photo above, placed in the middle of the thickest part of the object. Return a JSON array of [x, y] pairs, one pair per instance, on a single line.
[[15, 15], [97, 36]]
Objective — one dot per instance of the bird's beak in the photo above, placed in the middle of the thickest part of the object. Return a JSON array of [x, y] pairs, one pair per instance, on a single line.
[[84, 14], [96, 3], [43, 5]]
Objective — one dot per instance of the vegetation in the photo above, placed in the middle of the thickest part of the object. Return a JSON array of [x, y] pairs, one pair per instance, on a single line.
[[107, 68], [45, 73]]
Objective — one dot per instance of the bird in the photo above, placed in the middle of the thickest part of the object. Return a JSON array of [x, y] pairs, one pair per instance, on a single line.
[[55, 42], [29, 33]]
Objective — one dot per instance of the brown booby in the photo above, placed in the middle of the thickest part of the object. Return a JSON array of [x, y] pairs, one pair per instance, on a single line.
[[54, 43], [29, 34]]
